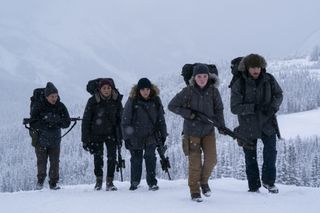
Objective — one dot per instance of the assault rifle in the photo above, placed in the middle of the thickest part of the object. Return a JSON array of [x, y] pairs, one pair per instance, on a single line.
[[161, 149], [27, 121], [204, 118], [120, 164]]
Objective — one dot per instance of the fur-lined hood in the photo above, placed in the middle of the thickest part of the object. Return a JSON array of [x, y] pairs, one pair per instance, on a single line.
[[155, 91], [213, 79], [252, 59]]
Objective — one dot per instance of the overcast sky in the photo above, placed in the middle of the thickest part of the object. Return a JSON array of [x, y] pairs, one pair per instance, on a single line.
[[147, 32]]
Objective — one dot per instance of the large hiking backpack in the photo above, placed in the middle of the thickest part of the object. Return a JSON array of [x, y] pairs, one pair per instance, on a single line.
[[187, 70], [37, 97], [93, 85], [235, 70]]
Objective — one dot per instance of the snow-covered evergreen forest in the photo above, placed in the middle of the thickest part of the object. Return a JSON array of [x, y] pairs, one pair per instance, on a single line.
[[298, 161]]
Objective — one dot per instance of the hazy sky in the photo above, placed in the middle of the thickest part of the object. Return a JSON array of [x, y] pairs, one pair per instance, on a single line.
[[141, 34]]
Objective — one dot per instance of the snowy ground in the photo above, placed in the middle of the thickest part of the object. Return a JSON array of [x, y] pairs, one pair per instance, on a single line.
[[229, 196], [304, 124]]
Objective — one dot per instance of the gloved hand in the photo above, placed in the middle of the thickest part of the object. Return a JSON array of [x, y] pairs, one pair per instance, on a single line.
[[52, 119], [246, 145], [86, 146], [222, 131]]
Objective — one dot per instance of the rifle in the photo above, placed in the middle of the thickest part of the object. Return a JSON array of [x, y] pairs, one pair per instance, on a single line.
[[275, 123], [27, 121], [161, 149], [164, 161], [204, 118], [120, 164]]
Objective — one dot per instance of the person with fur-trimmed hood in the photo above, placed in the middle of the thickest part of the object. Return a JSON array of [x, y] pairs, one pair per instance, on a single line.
[[101, 126], [255, 97], [143, 115], [201, 97]]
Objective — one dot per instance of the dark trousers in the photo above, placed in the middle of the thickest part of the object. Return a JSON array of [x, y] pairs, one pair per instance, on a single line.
[[98, 158], [43, 153], [269, 163], [150, 161]]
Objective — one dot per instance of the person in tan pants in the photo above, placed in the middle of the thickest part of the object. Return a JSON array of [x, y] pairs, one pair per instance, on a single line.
[[200, 98], [199, 172]]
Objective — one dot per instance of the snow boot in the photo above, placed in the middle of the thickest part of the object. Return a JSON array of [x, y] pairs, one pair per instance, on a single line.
[[206, 191], [39, 185], [254, 190], [271, 188], [133, 186], [196, 197], [54, 186], [110, 186], [153, 188], [98, 185]]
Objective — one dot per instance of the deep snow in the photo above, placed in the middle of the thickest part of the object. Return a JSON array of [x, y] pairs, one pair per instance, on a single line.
[[228, 196]]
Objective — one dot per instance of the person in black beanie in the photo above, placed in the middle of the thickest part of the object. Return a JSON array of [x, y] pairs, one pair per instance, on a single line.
[[143, 114], [101, 126], [49, 116]]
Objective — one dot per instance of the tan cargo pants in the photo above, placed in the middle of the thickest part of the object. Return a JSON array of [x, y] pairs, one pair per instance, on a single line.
[[199, 172]]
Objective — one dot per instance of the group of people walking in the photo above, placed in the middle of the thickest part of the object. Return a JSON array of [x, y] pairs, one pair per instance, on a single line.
[[255, 98]]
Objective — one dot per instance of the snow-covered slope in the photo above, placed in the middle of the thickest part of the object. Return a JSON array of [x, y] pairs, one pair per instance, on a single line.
[[228, 196], [303, 124]]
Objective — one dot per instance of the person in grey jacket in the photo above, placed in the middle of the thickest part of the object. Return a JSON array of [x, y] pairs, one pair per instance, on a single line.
[[201, 97], [255, 97], [143, 115]]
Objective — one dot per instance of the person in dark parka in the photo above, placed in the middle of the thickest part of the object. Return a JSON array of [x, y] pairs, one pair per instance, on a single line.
[[255, 98], [201, 96], [143, 115], [49, 116], [101, 126]]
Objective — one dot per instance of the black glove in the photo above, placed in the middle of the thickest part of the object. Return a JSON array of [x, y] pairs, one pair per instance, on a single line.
[[52, 119], [248, 146], [86, 146], [222, 131]]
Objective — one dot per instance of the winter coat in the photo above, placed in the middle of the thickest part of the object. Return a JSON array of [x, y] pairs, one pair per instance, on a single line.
[[255, 102], [194, 99], [137, 126], [101, 118], [48, 119]]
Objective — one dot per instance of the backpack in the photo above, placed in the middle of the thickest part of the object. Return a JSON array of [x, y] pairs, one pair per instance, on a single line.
[[37, 97], [93, 85], [187, 70], [235, 71]]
